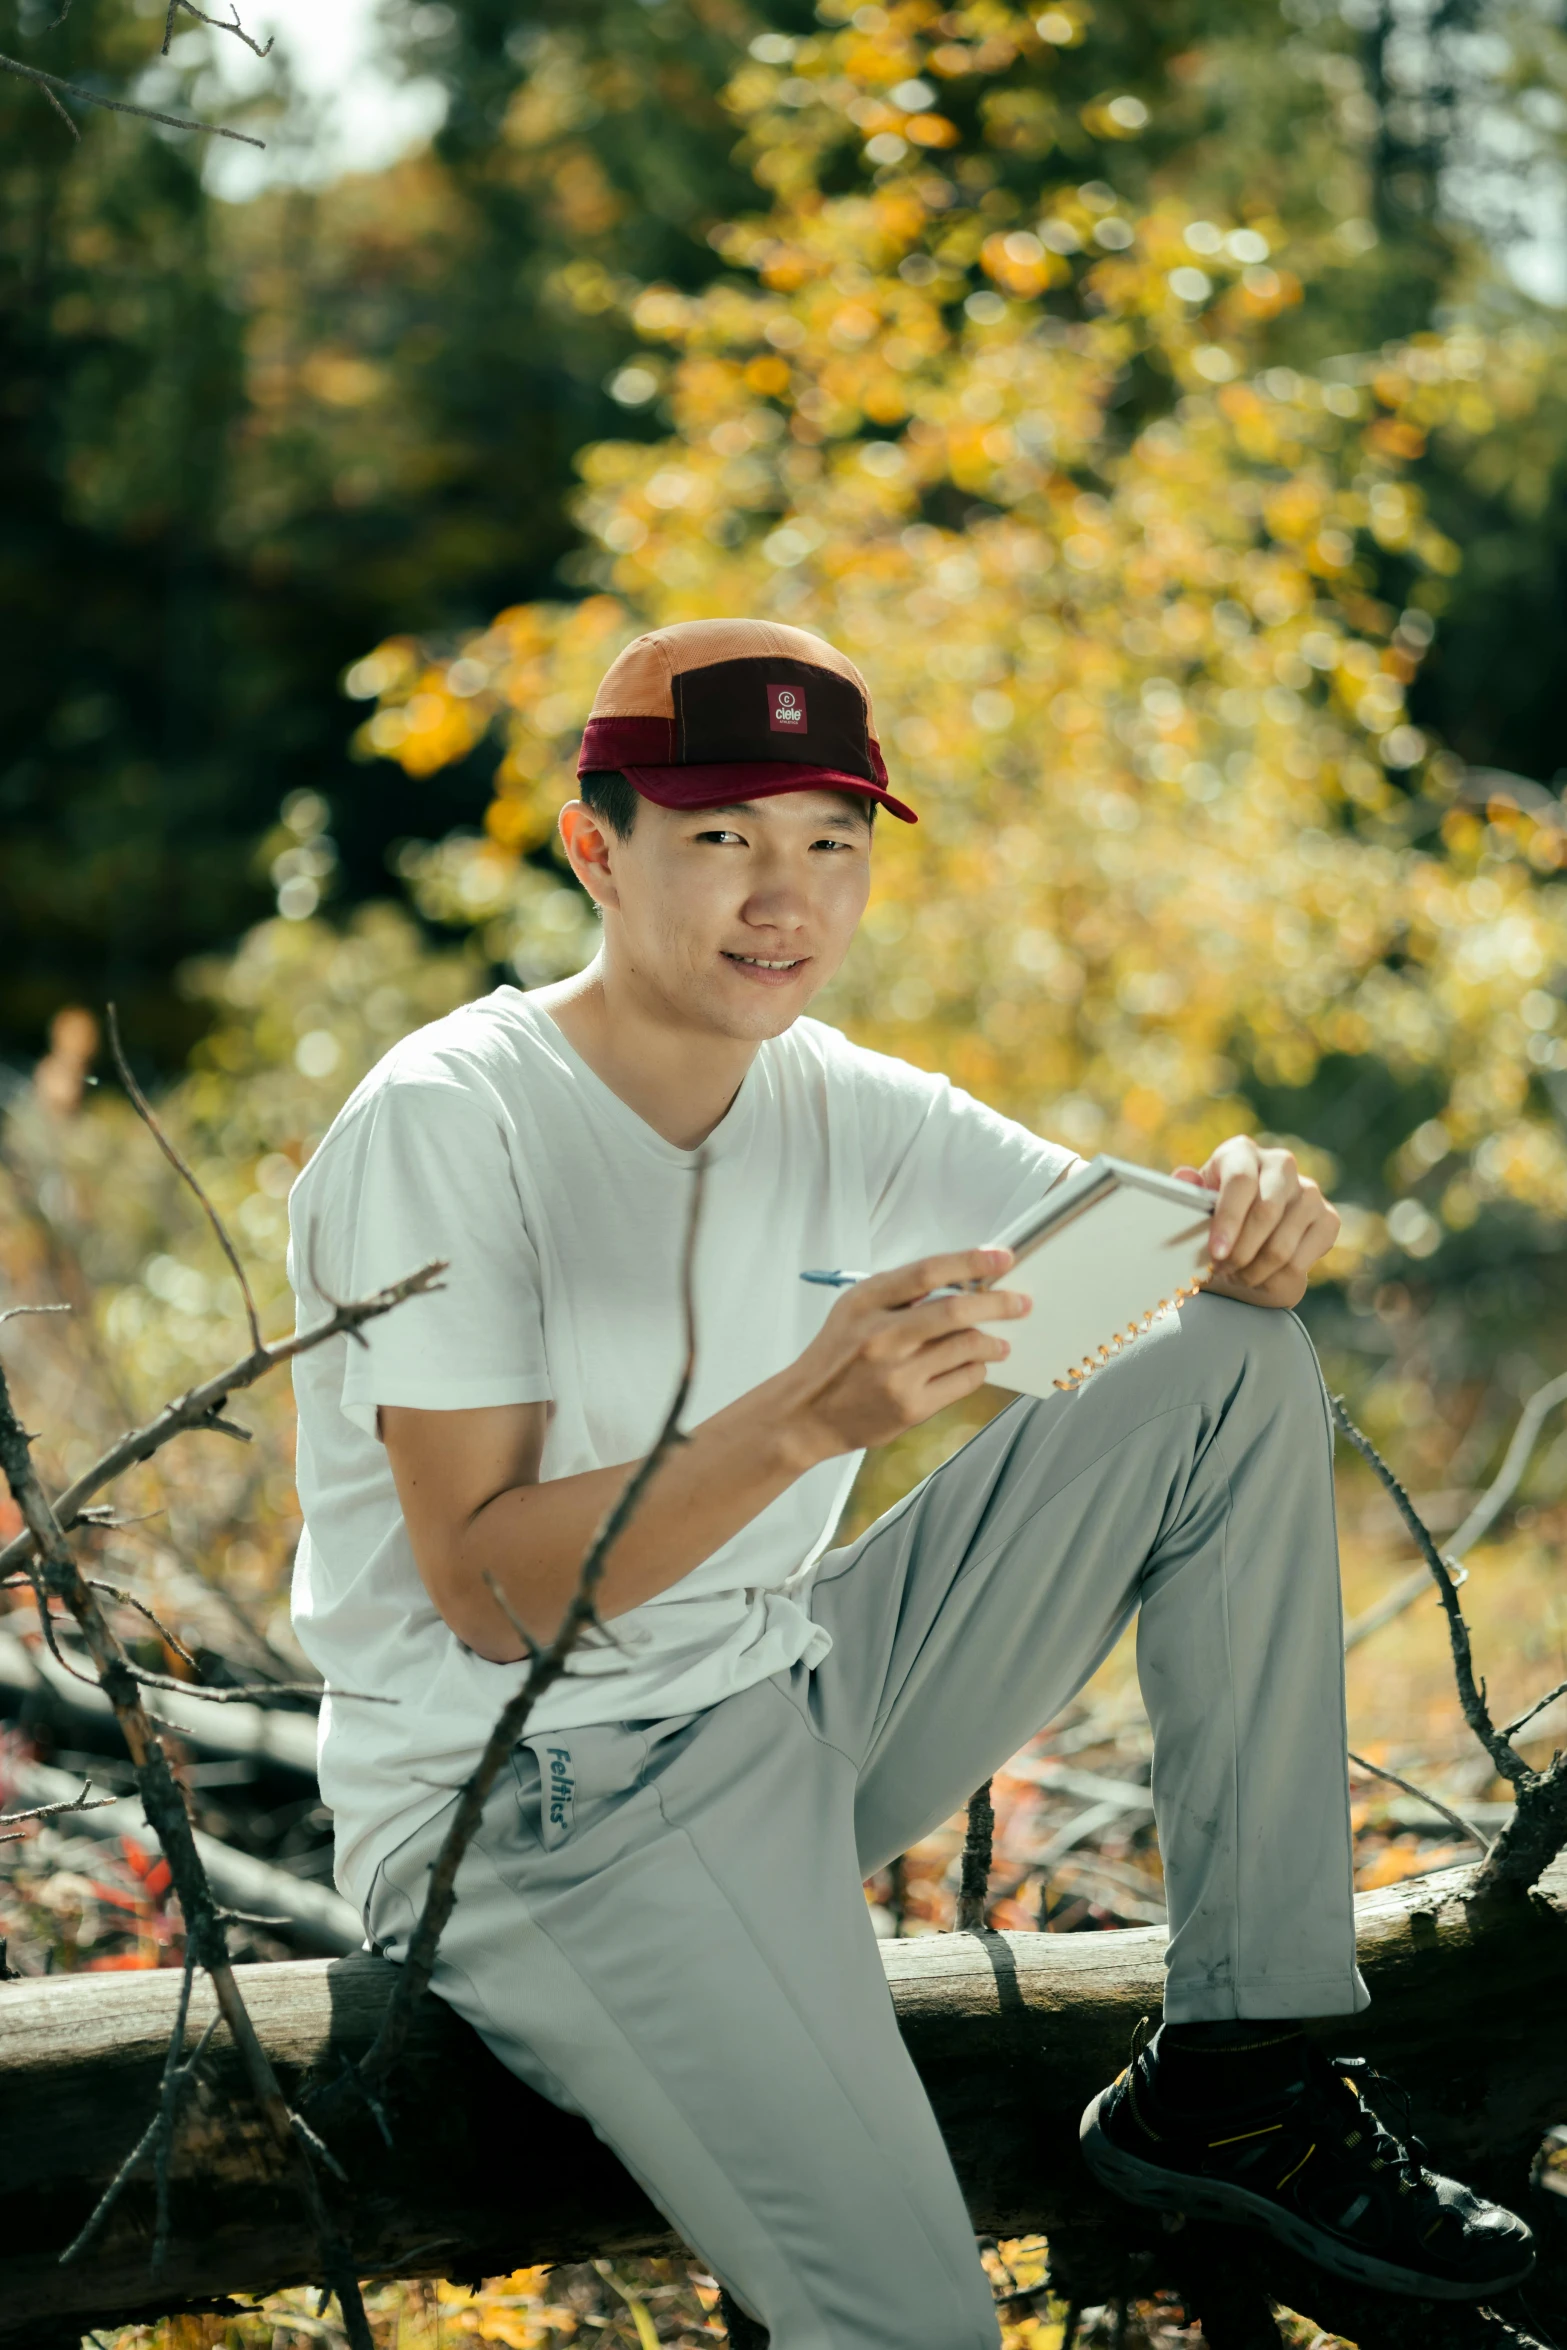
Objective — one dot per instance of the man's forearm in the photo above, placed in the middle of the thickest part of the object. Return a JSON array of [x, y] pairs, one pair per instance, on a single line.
[[532, 1538]]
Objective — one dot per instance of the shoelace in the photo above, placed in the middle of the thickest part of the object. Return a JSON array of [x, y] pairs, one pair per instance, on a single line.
[[1395, 2148]]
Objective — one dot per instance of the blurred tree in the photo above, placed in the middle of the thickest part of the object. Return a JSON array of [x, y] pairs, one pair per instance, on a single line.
[[242, 443], [119, 373], [1025, 447]]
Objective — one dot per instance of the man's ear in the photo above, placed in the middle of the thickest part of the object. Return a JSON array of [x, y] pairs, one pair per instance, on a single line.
[[589, 845]]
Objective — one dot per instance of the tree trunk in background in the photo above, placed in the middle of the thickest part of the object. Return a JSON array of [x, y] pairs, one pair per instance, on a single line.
[[1011, 2032]]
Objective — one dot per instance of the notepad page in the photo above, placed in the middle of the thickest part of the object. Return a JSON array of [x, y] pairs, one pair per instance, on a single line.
[[1104, 1271]]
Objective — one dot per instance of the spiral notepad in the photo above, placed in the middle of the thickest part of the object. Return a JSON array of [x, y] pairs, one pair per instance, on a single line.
[[1109, 1250]]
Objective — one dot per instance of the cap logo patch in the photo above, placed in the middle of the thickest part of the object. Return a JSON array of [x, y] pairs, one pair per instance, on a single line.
[[786, 709]]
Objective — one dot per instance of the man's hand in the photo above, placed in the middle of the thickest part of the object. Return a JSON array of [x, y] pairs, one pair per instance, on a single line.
[[889, 1355], [1270, 1226]]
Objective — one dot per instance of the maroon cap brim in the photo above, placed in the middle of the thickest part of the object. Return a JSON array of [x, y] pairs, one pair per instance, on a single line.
[[720, 784]]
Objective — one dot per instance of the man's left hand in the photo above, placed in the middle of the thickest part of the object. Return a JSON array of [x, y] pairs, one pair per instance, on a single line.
[[1270, 1225]]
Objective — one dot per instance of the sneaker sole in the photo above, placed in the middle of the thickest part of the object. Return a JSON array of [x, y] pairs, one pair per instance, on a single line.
[[1144, 2182]]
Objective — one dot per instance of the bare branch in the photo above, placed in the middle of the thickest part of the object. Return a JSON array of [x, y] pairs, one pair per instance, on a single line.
[[148, 1116], [1464, 1827], [1471, 1695], [1515, 1461], [50, 83], [11, 1311], [547, 1664], [1537, 1829], [157, 2137], [1480, 1520], [246, 1693], [529, 1645], [189, 8], [46, 1627], [1512, 1728], [222, 1427], [129, 1599], [195, 1409], [52, 1811]]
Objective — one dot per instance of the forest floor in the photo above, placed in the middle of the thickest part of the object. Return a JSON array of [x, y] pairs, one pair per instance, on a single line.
[[1071, 1856]]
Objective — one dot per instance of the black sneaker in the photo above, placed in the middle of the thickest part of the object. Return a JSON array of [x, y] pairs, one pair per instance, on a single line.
[[1318, 2170]]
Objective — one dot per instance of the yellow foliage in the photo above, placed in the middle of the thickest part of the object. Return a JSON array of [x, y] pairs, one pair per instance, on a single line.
[[1175, 820]]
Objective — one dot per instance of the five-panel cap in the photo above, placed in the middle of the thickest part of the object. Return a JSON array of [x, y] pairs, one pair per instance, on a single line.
[[710, 711]]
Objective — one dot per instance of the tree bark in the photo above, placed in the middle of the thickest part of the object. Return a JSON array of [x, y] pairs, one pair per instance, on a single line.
[[1012, 2033]]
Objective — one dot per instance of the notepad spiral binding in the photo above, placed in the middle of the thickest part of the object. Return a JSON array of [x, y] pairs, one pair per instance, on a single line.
[[1113, 1346]]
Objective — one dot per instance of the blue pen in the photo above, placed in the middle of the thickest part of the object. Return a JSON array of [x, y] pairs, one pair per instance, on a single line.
[[836, 1280]]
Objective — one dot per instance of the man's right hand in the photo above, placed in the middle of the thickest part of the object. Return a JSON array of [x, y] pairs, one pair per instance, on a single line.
[[890, 1355], [481, 1519]]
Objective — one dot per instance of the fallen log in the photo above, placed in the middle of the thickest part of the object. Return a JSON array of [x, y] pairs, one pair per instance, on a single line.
[[308, 1915], [1011, 2033], [33, 1686]]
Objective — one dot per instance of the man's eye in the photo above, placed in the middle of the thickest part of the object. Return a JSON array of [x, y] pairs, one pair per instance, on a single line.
[[718, 834]]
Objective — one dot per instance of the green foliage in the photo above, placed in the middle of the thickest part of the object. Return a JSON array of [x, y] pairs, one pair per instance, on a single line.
[[240, 444]]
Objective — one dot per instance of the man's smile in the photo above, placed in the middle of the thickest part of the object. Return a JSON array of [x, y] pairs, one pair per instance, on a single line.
[[774, 967]]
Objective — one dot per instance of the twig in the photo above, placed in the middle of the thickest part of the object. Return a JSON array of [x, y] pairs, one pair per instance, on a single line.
[[194, 1409], [1481, 1518], [144, 1108], [1512, 1728], [50, 83], [129, 1599], [1471, 1694], [46, 1626], [1515, 1461], [978, 1841], [11, 1311], [51, 1811], [1464, 1827], [191, 1550], [158, 2136], [248, 1693], [546, 1665], [1537, 1830], [61, 1243], [189, 8]]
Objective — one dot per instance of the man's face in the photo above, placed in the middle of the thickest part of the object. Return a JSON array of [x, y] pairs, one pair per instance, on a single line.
[[730, 918]]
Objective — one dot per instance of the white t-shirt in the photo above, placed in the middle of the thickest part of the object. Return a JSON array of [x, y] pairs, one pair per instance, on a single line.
[[487, 1140]]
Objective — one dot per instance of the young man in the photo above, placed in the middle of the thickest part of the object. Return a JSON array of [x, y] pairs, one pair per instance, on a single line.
[[660, 1923]]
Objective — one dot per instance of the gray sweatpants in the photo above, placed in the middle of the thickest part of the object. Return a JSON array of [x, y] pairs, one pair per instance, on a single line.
[[661, 1924]]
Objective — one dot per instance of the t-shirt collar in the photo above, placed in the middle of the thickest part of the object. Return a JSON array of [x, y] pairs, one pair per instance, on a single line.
[[728, 1135]]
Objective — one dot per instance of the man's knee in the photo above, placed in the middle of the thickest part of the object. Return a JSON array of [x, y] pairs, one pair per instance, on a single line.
[[1264, 1345]]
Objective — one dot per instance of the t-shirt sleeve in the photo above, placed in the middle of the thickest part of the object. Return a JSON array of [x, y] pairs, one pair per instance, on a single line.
[[957, 1173], [424, 1172]]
